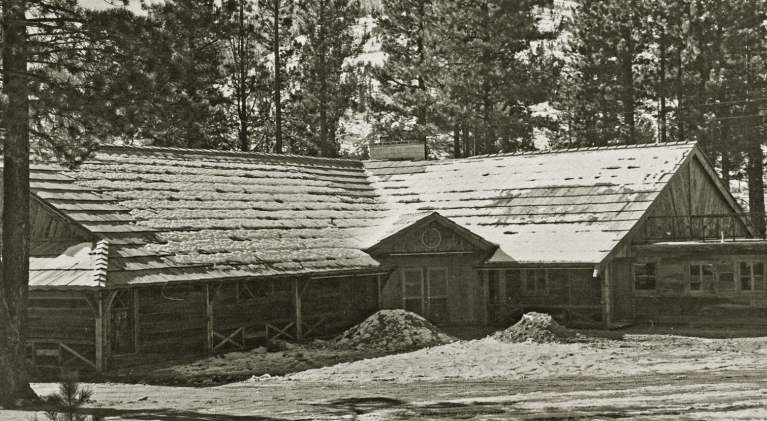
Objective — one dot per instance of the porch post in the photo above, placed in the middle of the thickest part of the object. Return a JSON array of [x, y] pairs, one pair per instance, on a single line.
[[607, 302], [483, 276], [100, 333], [378, 290], [297, 295], [208, 319]]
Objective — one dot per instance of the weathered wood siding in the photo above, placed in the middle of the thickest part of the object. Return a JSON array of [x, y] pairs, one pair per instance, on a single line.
[[674, 302], [251, 305], [334, 304], [46, 224], [465, 300], [60, 317], [172, 319], [691, 191], [571, 295]]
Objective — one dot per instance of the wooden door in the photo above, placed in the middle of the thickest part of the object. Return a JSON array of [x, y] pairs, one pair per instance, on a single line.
[[437, 298], [413, 290], [121, 322]]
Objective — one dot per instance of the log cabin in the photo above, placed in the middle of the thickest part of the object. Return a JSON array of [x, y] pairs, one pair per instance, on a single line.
[[145, 252]]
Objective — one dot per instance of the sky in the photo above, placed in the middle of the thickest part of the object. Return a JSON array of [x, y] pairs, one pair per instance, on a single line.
[[134, 6]]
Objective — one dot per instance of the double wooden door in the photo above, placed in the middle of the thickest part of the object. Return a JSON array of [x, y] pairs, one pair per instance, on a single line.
[[425, 291]]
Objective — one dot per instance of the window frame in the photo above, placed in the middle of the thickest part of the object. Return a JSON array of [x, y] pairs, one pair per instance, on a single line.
[[635, 279], [701, 276], [536, 290], [750, 277]]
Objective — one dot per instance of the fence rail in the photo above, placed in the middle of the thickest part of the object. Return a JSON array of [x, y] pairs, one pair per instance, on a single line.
[[713, 227]]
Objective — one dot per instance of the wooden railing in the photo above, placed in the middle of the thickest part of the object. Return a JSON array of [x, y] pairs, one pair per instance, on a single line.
[[712, 227]]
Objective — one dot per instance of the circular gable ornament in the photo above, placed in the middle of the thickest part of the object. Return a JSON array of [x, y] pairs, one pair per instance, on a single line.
[[431, 238]]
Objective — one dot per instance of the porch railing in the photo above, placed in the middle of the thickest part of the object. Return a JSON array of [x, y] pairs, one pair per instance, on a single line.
[[711, 227]]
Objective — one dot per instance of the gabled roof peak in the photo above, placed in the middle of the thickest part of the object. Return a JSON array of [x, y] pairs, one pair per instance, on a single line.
[[232, 153]]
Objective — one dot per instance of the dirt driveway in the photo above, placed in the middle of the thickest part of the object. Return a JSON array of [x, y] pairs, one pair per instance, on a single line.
[[648, 377]]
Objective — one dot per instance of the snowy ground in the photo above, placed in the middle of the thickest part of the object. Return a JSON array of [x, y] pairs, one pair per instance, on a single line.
[[639, 376]]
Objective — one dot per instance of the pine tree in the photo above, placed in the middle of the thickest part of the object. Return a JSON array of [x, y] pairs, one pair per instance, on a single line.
[[278, 24], [327, 83], [188, 41], [52, 54], [246, 68], [406, 105], [494, 70]]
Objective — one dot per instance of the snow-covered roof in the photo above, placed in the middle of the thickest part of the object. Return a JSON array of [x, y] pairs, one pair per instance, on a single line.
[[145, 215], [570, 206], [182, 214]]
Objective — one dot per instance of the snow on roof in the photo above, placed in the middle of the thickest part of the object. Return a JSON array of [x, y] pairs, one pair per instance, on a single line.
[[570, 206], [228, 213], [156, 215]]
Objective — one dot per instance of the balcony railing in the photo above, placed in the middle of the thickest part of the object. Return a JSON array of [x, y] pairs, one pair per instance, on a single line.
[[717, 227]]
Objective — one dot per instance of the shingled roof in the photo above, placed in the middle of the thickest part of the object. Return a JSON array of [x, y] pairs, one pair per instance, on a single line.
[[156, 215], [569, 206]]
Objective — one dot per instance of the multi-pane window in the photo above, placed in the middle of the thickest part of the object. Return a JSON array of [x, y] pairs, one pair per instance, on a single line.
[[752, 276], [726, 277], [535, 280], [701, 276], [644, 276]]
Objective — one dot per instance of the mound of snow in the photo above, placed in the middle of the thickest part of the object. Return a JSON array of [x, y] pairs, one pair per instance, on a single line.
[[392, 330], [536, 327]]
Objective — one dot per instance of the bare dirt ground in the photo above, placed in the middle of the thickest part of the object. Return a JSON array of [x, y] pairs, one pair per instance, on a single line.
[[638, 374]]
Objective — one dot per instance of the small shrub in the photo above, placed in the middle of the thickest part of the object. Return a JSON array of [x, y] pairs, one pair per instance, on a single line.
[[68, 401]]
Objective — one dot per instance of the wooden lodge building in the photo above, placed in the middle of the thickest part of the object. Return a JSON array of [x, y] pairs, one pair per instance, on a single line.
[[144, 251]]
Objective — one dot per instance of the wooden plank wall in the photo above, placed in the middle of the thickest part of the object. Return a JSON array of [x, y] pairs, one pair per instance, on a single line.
[[343, 302], [172, 319], [61, 317], [465, 286], [262, 302], [673, 303], [46, 224], [570, 293]]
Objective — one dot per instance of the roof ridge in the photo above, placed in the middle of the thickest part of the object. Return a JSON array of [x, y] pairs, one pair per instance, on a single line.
[[586, 148], [215, 152]]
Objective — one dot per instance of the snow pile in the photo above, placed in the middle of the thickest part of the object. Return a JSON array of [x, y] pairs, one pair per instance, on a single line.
[[536, 327], [392, 330]]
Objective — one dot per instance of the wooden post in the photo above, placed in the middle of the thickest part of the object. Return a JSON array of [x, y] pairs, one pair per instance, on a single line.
[[503, 296], [297, 295], [485, 295], [380, 298], [208, 319], [135, 321], [100, 366], [607, 310]]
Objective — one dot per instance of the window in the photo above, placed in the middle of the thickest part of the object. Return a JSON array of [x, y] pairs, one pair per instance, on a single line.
[[701, 276], [726, 277], [644, 276], [751, 276], [535, 280]]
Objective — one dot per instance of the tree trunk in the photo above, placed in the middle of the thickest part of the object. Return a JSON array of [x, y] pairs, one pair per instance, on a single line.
[[662, 87], [456, 141], [723, 143], [15, 217], [242, 97], [627, 64], [277, 81], [756, 182]]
